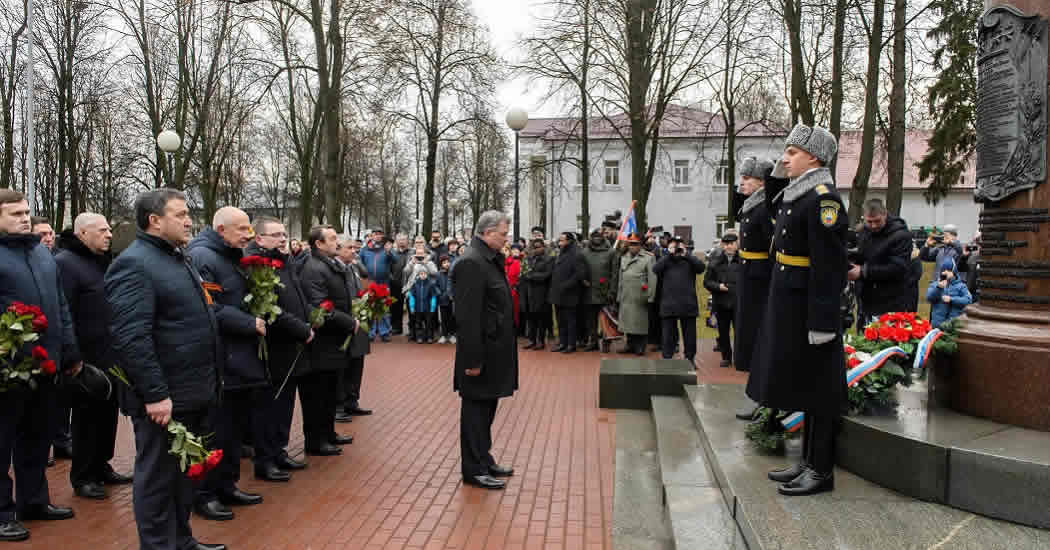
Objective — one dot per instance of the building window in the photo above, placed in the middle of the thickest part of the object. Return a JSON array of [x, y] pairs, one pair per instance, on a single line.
[[681, 173], [722, 175], [721, 225], [612, 172]]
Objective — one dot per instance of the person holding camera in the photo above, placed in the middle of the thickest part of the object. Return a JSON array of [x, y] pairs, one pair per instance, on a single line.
[[968, 264], [882, 263], [420, 257], [720, 281], [678, 304], [940, 247], [948, 295]]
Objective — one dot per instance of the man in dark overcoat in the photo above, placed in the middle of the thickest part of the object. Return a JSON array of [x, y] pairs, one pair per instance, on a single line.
[[721, 280], [216, 254], [568, 280], [324, 278], [679, 306], [287, 340], [801, 365], [486, 365], [535, 288]]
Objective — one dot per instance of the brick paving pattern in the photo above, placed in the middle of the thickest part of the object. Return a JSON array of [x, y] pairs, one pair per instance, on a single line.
[[399, 484]]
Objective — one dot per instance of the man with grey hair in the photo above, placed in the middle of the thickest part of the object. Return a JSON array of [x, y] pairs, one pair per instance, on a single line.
[[486, 364], [83, 262], [401, 252], [216, 253], [939, 248], [882, 263]]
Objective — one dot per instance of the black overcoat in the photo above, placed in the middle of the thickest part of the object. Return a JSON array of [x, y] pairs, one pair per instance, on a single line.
[[288, 334], [790, 373], [485, 333], [752, 289], [325, 279], [535, 284], [678, 274], [723, 271], [83, 283], [570, 271]]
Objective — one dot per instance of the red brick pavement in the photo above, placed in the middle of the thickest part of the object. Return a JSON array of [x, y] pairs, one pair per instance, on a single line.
[[398, 485]]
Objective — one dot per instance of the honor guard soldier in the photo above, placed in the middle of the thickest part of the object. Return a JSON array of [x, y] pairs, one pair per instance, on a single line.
[[800, 365]]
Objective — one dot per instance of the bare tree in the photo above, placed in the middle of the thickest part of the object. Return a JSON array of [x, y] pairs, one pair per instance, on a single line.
[[859, 190], [10, 74]]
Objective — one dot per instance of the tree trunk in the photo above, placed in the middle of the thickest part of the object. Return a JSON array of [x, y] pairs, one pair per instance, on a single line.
[[896, 139], [331, 86], [835, 122], [585, 158], [801, 106], [639, 76], [859, 191]]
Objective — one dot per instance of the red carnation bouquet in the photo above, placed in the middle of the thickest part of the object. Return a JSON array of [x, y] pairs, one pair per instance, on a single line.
[[371, 305], [195, 460], [263, 283], [895, 329], [604, 292], [21, 325], [320, 314]]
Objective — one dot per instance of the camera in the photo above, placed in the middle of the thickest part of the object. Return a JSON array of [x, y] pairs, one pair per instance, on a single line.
[[419, 258], [657, 229], [938, 238], [973, 247]]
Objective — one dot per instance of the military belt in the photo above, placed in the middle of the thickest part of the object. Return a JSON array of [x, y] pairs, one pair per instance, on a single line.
[[748, 255], [794, 261]]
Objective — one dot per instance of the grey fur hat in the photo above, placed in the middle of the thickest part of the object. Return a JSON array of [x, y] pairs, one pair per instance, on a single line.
[[816, 141], [754, 168]]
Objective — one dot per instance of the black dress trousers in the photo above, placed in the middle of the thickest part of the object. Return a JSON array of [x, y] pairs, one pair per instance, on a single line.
[[566, 326], [669, 332], [94, 436], [349, 385], [25, 440], [275, 424], [475, 435], [725, 341], [317, 394], [819, 444], [162, 494], [229, 428]]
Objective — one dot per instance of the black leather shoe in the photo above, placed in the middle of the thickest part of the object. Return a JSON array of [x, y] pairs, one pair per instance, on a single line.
[[270, 472], [213, 510], [558, 349], [50, 462], [809, 483], [324, 449], [11, 531], [202, 546], [724, 364], [358, 411], [593, 346], [626, 351], [500, 471], [90, 490], [530, 345], [785, 475], [64, 451], [46, 513], [286, 462], [111, 477], [343, 418], [569, 350], [485, 482], [748, 414], [247, 451], [237, 497], [341, 440]]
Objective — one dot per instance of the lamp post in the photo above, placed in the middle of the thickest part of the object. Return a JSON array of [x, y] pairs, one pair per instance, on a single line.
[[517, 119], [169, 142], [453, 204]]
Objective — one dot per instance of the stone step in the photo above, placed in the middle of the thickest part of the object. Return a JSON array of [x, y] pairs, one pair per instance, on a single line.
[[857, 515], [639, 521], [698, 515], [628, 383]]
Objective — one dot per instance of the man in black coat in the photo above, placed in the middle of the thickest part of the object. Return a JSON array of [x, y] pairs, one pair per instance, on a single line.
[[721, 281], [535, 288], [28, 274], [286, 339], [568, 278], [678, 304], [800, 364], [83, 260], [883, 263], [216, 254], [486, 349], [166, 338], [324, 278]]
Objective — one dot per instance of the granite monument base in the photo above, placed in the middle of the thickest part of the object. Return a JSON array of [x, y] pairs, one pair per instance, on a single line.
[[629, 383]]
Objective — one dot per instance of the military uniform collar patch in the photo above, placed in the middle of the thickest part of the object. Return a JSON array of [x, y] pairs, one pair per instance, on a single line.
[[756, 198], [807, 182]]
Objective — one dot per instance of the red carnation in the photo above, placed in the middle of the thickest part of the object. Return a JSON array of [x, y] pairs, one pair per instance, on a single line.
[[901, 334], [645, 287], [871, 333], [850, 350], [852, 362], [360, 293], [195, 472], [39, 353], [920, 332], [277, 264], [602, 280], [48, 366], [388, 301], [886, 332], [885, 318], [40, 323], [327, 305], [213, 459]]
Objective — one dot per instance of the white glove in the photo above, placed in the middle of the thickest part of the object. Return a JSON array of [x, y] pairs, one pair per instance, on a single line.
[[818, 338]]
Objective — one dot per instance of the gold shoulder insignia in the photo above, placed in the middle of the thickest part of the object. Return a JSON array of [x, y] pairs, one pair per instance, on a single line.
[[822, 189]]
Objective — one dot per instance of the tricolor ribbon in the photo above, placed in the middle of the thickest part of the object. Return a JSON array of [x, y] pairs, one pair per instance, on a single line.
[[925, 347], [794, 421]]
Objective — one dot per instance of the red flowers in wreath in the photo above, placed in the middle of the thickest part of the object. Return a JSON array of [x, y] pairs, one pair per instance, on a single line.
[[372, 304], [259, 261], [897, 327]]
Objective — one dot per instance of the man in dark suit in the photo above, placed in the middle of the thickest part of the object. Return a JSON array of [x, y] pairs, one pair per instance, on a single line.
[[486, 350], [324, 278], [568, 279], [165, 336]]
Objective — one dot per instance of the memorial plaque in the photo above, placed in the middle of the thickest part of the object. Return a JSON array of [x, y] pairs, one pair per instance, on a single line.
[[1011, 103]]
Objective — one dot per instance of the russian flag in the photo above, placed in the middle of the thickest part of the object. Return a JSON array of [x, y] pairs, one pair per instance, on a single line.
[[630, 224], [793, 422]]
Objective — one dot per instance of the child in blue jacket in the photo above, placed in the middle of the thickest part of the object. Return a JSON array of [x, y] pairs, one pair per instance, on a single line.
[[448, 316], [948, 295], [422, 305]]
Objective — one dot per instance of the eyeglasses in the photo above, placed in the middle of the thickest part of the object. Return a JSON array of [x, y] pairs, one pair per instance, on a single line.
[[275, 235]]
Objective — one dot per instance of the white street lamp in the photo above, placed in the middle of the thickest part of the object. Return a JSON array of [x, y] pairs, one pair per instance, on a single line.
[[517, 119], [169, 142]]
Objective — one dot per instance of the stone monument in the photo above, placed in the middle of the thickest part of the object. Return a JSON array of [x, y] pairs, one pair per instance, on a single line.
[[1002, 371]]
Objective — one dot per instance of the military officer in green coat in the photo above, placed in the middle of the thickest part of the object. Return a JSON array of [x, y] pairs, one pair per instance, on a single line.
[[636, 290]]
